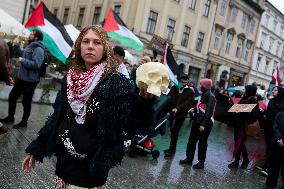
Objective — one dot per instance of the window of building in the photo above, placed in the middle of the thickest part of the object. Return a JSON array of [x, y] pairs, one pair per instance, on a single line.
[[65, 16], [275, 25], [191, 4], [247, 49], [218, 34], [244, 20], [97, 13], [228, 42], [80, 17], [170, 29], [152, 20], [185, 36], [266, 65], [117, 9], [199, 43], [223, 7], [206, 7], [271, 42], [278, 49], [234, 14], [55, 11], [263, 39], [239, 47], [193, 74], [258, 62], [281, 31], [251, 25], [267, 18]]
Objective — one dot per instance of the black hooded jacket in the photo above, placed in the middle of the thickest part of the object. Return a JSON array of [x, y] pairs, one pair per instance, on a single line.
[[243, 119], [278, 127], [275, 105]]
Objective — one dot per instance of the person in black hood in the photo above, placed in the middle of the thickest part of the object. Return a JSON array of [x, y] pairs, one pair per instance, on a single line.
[[242, 120], [275, 105], [276, 156]]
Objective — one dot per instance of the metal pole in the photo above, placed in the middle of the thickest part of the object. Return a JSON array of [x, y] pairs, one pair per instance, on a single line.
[[25, 10]]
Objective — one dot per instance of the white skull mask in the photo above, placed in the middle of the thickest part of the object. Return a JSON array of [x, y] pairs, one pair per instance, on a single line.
[[153, 76]]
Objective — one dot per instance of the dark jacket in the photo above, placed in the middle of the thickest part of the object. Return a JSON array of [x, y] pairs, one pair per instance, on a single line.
[[32, 59], [183, 100], [274, 106], [207, 103], [243, 119], [278, 127], [4, 60], [120, 109]]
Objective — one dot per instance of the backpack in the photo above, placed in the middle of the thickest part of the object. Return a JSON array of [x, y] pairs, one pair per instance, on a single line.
[[42, 69]]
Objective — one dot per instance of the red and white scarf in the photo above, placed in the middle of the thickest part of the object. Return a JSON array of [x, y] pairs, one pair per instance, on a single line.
[[80, 87]]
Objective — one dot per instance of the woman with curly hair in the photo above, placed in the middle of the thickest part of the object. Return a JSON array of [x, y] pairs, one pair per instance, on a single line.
[[95, 105]]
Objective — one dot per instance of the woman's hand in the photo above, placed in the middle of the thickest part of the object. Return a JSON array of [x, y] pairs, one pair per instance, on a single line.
[[145, 94], [28, 163]]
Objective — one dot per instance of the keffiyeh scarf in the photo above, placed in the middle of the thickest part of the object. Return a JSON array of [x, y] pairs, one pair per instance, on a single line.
[[80, 86]]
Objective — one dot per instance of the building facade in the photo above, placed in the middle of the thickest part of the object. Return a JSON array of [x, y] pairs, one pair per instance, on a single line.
[[232, 41], [186, 24], [269, 51]]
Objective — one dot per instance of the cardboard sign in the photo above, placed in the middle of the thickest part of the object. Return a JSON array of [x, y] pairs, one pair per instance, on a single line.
[[158, 44], [242, 108]]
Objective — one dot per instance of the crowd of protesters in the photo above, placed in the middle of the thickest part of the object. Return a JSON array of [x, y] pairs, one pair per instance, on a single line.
[[110, 70]]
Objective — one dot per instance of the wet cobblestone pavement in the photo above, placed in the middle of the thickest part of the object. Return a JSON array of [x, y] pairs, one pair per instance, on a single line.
[[138, 172]]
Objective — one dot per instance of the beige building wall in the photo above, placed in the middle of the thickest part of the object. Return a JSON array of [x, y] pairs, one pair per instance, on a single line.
[[135, 13], [225, 61]]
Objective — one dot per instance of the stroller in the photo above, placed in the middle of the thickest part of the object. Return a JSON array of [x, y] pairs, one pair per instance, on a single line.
[[143, 144]]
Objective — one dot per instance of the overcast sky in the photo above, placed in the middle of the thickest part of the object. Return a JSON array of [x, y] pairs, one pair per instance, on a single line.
[[279, 4]]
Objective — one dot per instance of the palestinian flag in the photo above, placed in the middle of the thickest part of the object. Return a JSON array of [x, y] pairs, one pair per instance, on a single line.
[[56, 38], [118, 31], [169, 61]]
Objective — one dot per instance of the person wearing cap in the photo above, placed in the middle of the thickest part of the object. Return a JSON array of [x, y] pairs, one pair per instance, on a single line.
[[181, 100], [119, 55], [201, 125]]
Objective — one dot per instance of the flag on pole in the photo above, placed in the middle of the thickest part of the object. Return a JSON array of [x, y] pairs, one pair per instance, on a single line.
[[118, 31], [276, 76], [169, 61], [56, 38]]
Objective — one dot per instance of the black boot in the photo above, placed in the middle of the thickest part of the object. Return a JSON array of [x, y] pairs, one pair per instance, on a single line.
[[3, 130], [245, 164], [8, 119], [169, 152], [199, 165], [234, 164], [22, 124], [185, 161]]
